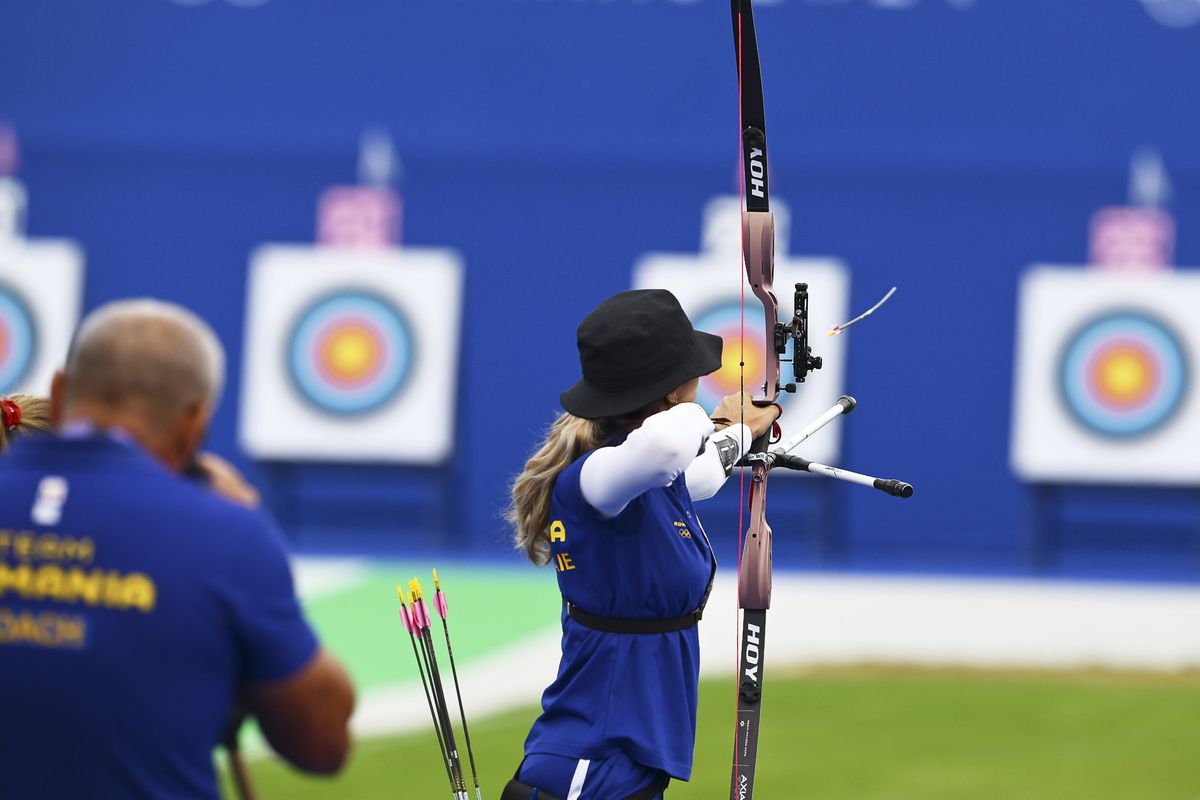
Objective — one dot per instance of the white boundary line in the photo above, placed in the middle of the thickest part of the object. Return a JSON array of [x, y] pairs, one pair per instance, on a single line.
[[819, 619], [822, 619]]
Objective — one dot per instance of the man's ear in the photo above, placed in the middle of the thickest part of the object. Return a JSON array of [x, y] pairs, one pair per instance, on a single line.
[[58, 392]]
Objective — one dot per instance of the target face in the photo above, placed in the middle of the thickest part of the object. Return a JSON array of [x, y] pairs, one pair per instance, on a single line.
[[1123, 374], [725, 320], [350, 353], [18, 340]]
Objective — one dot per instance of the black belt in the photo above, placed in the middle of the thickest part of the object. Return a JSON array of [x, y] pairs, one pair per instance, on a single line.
[[515, 790], [630, 625], [649, 625]]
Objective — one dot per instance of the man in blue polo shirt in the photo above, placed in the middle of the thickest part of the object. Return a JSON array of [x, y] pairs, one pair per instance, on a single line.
[[136, 608]]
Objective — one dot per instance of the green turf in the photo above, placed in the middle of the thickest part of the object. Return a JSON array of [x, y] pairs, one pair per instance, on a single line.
[[362, 624], [871, 735]]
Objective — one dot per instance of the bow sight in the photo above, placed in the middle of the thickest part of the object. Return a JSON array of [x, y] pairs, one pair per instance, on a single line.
[[758, 243], [803, 361], [795, 333]]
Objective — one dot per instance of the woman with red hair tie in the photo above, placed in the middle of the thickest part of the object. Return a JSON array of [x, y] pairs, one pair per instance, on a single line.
[[22, 415]]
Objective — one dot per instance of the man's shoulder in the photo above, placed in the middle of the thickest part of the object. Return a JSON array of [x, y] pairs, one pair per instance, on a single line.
[[193, 506], [135, 485], [125, 484], [199, 524]]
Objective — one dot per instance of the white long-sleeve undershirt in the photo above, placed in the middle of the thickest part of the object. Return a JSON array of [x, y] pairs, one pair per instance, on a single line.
[[708, 471], [654, 455]]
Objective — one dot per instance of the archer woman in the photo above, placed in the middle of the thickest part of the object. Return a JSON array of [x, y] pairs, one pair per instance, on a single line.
[[607, 499]]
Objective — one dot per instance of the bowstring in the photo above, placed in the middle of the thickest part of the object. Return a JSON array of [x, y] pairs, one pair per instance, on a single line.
[[741, 349]]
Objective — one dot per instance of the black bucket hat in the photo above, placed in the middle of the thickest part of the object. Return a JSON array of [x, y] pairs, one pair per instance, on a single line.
[[635, 348]]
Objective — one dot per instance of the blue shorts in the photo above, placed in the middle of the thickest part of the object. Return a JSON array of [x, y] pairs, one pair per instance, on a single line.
[[580, 779]]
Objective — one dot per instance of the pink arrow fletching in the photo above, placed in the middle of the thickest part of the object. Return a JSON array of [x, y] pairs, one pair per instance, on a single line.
[[405, 619], [439, 601]]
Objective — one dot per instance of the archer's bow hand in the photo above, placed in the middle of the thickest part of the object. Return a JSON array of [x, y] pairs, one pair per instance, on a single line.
[[739, 408]]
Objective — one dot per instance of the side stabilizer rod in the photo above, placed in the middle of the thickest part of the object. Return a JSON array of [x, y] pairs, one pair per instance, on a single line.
[[844, 405]]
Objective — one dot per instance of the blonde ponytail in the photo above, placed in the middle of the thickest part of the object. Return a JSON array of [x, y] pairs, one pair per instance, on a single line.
[[569, 437]]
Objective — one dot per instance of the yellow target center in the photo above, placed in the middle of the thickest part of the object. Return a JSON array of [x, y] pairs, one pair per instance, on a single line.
[[729, 373], [351, 353], [1124, 375]]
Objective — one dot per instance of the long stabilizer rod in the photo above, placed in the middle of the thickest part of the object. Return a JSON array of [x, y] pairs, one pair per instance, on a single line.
[[888, 485]]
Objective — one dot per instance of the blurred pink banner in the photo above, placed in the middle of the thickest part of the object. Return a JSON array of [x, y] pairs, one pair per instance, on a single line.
[[1130, 238], [10, 154], [359, 216]]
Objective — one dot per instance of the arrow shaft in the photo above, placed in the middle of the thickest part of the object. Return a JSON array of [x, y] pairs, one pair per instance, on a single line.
[[461, 711]]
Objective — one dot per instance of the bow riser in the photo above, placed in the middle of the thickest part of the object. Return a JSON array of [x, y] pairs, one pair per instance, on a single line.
[[758, 243]]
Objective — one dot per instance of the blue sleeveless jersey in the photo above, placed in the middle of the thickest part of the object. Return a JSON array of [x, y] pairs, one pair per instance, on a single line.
[[622, 692], [132, 604]]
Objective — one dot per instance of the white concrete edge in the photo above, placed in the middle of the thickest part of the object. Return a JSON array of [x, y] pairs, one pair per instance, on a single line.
[[830, 620]]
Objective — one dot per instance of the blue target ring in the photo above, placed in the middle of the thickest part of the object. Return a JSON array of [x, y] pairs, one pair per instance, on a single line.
[[350, 353], [1124, 374], [18, 340]]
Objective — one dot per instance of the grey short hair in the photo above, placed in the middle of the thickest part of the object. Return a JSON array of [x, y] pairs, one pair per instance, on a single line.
[[148, 351]]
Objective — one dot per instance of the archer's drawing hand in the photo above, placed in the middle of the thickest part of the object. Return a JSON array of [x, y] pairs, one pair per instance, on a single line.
[[738, 408]]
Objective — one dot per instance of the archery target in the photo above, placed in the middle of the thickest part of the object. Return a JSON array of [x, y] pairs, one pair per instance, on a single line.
[[350, 352], [1124, 374], [1104, 371], [708, 286], [18, 339], [725, 320], [41, 284]]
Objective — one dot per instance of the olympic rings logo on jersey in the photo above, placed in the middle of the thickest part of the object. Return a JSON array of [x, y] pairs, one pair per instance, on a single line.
[[1123, 374], [18, 339], [350, 352]]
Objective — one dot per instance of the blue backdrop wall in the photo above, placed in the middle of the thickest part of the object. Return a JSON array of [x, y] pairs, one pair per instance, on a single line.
[[935, 144]]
